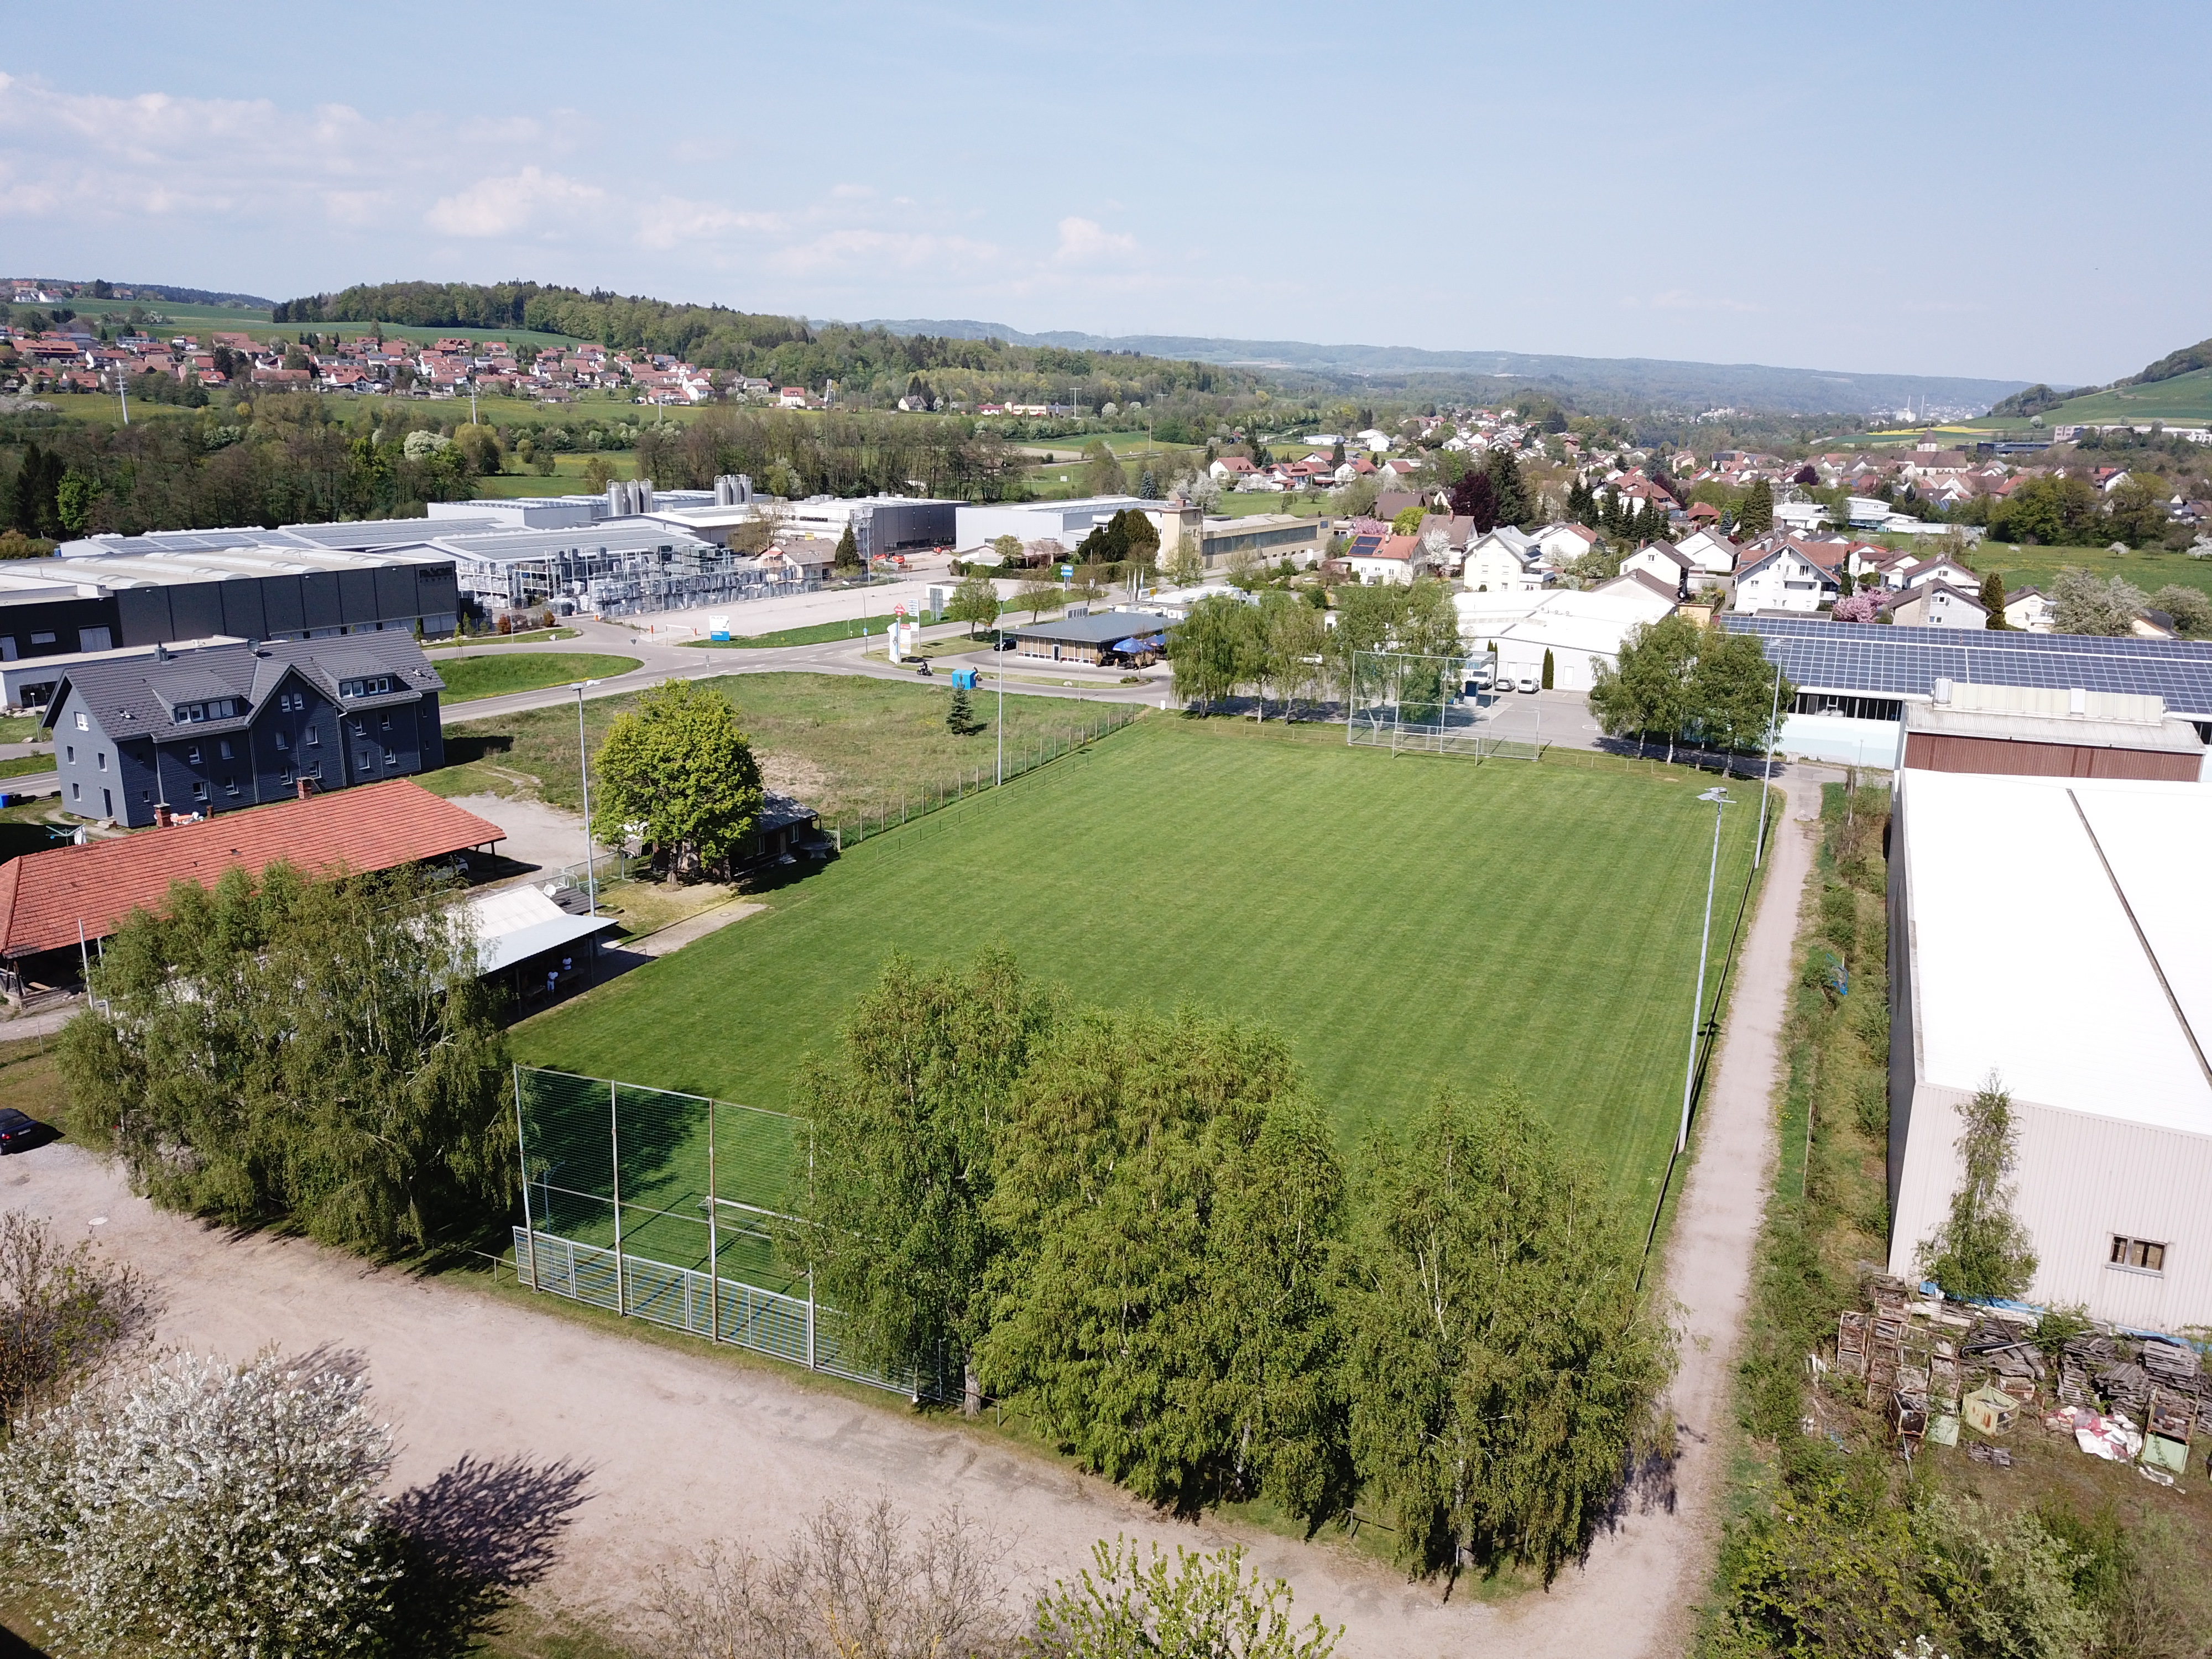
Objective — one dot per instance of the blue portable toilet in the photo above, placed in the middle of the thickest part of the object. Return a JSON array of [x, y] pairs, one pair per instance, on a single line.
[[963, 679]]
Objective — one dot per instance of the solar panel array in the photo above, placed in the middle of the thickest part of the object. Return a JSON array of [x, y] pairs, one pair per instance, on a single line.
[[1828, 656]]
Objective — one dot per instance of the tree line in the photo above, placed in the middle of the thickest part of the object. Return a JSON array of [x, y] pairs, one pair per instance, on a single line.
[[1277, 645], [787, 350], [1686, 683], [1139, 1229]]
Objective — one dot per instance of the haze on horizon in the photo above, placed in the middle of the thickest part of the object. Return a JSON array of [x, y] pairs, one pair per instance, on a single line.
[[1876, 188]]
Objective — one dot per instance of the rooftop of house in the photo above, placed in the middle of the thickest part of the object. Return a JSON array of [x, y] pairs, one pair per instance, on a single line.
[[45, 897], [147, 694]]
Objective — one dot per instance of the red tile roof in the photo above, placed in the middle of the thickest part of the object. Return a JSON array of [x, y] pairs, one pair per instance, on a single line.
[[373, 826]]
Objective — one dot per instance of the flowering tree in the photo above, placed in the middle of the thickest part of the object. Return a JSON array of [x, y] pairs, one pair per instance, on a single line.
[[197, 1508]]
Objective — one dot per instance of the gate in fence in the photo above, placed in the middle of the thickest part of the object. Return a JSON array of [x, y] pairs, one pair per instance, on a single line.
[[667, 1207]]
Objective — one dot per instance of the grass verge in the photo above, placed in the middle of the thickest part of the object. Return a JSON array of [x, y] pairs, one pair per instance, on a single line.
[[470, 678]]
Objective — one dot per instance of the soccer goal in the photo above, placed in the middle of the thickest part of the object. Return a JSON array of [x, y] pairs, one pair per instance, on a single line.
[[1415, 703]]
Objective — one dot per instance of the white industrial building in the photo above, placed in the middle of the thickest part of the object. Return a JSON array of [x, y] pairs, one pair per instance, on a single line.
[[2053, 933], [1583, 630]]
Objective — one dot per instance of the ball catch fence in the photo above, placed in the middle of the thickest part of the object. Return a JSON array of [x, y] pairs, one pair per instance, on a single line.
[[664, 1206], [1409, 703], [1029, 752]]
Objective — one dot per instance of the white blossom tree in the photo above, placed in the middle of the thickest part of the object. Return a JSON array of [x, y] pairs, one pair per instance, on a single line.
[[193, 1507]]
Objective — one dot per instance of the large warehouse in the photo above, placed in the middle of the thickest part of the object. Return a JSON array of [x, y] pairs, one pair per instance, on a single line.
[[2052, 932], [1854, 679]]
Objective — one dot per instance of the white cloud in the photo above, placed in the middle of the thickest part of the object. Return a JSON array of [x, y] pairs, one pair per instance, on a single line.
[[863, 250], [1084, 241], [505, 206], [672, 220]]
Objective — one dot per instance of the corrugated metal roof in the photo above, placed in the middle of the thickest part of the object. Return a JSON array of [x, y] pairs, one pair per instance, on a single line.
[[374, 826], [2053, 989]]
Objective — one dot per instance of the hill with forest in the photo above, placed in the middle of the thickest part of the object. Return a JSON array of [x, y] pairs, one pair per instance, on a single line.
[[876, 362], [1598, 384]]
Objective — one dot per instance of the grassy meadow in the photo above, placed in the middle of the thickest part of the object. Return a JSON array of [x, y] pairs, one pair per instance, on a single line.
[[468, 677]]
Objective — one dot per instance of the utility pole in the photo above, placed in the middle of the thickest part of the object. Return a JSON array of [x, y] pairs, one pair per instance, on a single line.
[[584, 764]]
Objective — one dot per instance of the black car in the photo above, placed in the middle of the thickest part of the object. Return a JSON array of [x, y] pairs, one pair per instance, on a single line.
[[19, 1130]]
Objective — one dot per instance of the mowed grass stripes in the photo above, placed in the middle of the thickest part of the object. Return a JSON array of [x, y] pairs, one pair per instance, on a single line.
[[1410, 922]]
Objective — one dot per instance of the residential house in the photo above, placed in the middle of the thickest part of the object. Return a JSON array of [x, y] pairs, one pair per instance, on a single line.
[[1231, 470], [1786, 578], [1383, 560], [1501, 561], [1713, 554], [1562, 545], [2029, 610], [1938, 604], [235, 725], [1666, 566]]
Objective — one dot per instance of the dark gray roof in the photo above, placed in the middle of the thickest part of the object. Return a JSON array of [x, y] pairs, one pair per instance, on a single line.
[[138, 694], [1099, 628]]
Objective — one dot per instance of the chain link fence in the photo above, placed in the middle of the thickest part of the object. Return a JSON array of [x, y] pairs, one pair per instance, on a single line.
[[1411, 703], [664, 1206]]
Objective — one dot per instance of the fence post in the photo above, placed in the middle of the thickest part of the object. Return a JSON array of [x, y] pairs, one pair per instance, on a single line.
[[614, 1164], [522, 1152]]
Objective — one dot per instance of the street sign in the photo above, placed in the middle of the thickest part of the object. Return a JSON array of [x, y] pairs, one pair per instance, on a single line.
[[899, 611], [718, 628], [1068, 572]]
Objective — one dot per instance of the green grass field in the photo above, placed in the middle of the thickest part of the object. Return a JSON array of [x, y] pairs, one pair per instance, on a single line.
[[2150, 569], [848, 628], [843, 744], [468, 677], [1411, 923]]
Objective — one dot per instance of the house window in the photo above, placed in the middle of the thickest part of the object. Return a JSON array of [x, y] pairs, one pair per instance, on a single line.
[[282, 744], [82, 723], [71, 748], [76, 791], [223, 749], [384, 725], [314, 738], [103, 760], [42, 639], [199, 789], [230, 786], [192, 756], [366, 762], [360, 728], [285, 777], [388, 758], [2139, 1254]]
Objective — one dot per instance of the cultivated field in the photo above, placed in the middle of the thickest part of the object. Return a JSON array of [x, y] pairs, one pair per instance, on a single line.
[[1411, 923]]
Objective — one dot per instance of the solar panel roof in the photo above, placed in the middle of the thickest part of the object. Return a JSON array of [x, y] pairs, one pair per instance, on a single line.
[[1887, 661]]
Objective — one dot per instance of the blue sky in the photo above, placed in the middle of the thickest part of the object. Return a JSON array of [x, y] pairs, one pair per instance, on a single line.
[[2011, 190]]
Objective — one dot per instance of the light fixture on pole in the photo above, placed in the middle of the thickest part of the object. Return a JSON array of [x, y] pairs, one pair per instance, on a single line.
[[1719, 798], [584, 765], [1766, 770]]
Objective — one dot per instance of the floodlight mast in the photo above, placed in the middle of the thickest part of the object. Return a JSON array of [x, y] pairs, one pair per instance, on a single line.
[[1718, 797], [584, 765]]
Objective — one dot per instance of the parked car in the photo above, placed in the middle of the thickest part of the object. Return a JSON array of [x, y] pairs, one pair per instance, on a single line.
[[1484, 678], [18, 1130], [1525, 682]]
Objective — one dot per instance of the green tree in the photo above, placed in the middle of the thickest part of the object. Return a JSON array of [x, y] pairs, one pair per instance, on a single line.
[[1101, 473], [1203, 649], [848, 557], [909, 1118], [1009, 549], [73, 500], [1732, 694], [1037, 596], [1168, 1197], [1508, 489], [2189, 607], [1756, 516], [678, 772], [1547, 668], [1125, 1606], [2136, 513], [480, 448], [1297, 635], [1649, 691], [2051, 511], [336, 1060], [1501, 1366], [959, 718], [975, 602], [1408, 523], [1993, 599], [1981, 1249]]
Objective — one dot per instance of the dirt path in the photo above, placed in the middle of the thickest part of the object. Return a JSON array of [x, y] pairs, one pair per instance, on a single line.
[[684, 1447]]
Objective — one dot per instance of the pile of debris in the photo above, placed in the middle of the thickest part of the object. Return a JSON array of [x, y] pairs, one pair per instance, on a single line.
[[1927, 1364]]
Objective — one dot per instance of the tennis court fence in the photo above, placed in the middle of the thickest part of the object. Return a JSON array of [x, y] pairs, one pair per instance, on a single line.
[[669, 1208]]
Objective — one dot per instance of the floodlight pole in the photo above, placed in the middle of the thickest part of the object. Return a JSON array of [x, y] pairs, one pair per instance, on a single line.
[[999, 662], [1766, 770], [584, 764], [1718, 797]]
